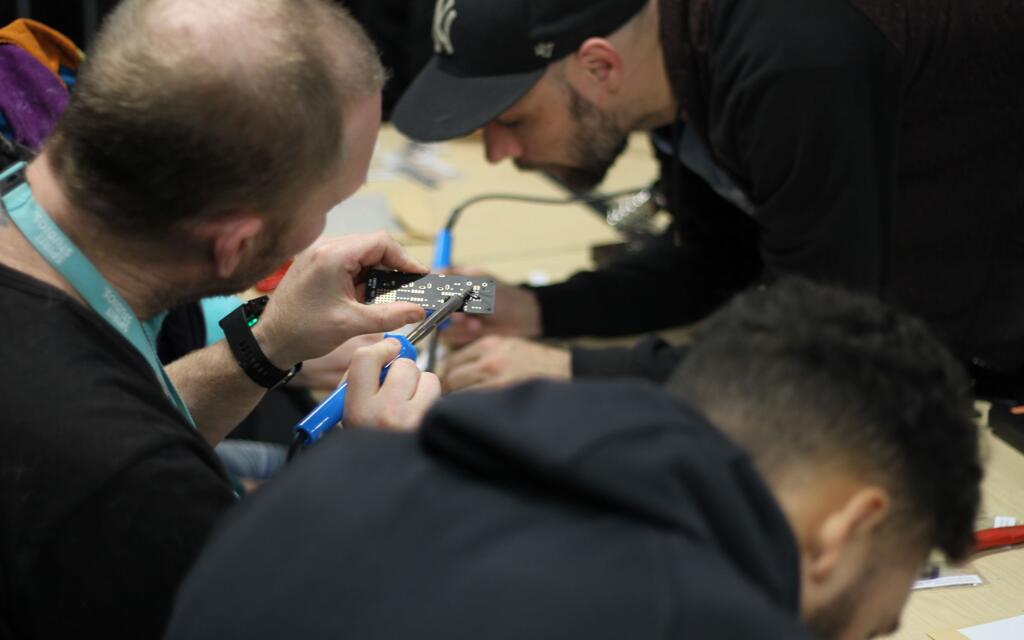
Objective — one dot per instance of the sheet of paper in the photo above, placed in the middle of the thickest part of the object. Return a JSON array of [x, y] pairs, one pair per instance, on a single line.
[[1009, 629], [969, 580], [361, 214]]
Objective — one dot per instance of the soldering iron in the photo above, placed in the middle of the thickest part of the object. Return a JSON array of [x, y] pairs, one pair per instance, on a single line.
[[332, 410]]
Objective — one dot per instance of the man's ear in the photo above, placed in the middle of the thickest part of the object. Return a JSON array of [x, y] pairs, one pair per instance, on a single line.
[[600, 65], [846, 533], [229, 236]]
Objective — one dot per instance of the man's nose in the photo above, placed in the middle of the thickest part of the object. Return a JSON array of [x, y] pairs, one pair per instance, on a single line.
[[500, 143]]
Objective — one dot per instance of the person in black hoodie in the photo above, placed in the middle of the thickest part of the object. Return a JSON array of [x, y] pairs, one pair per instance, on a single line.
[[866, 143], [789, 481]]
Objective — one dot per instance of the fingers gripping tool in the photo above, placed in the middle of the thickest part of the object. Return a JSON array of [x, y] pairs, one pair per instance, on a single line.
[[332, 410]]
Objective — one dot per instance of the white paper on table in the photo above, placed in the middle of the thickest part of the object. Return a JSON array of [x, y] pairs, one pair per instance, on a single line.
[[361, 214], [967, 580], [1009, 629]]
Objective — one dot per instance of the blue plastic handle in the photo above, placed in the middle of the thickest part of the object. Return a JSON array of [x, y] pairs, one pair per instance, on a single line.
[[331, 411], [443, 250]]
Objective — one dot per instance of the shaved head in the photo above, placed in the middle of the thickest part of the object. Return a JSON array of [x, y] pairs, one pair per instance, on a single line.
[[191, 108]]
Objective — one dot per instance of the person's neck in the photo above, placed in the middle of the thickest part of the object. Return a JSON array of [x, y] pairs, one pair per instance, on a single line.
[[137, 282], [649, 94]]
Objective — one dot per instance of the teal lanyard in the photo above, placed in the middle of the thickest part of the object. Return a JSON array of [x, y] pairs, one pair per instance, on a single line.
[[53, 245]]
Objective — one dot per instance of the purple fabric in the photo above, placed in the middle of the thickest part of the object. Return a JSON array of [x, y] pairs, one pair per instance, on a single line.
[[31, 96]]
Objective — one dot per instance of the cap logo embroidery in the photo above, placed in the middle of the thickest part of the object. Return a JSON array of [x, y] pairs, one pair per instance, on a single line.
[[444, 15], [544, 49]]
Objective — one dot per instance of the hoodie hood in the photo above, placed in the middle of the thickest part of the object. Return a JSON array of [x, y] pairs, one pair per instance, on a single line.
[[547, 511], [625, 446]]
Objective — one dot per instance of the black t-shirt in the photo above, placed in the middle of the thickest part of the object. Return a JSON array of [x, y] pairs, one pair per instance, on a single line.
[[106, 493]]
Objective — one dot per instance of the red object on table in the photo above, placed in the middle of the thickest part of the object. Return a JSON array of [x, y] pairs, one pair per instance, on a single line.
[[270, 282], [998, 537]]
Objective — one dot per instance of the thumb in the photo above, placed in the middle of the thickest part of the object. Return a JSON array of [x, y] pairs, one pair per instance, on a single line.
[[365, 370]]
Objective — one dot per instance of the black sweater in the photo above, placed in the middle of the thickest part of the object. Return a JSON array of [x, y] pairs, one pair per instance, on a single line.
[[881, 144], [598, 510]]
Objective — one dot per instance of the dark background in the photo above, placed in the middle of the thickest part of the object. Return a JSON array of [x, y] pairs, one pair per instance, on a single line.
[[401, 29], [76, 19]]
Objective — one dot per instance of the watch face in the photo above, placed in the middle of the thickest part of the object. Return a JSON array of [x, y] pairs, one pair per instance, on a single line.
[[253, 309]]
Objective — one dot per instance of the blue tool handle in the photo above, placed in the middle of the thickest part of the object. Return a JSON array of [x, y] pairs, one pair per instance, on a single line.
[[443, 250], [331, 411]]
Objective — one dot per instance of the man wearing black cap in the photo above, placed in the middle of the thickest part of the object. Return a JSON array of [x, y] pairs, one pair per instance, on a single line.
[[858, 142]]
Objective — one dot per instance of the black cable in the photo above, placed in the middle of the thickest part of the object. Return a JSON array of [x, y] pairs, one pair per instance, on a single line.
[[600, 208], [297, 443], [515, 197]]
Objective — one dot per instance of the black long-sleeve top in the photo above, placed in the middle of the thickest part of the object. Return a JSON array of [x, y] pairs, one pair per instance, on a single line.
[[879, 145]]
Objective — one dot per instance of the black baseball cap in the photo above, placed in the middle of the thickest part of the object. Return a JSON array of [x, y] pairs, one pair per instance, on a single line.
[[488, 53]]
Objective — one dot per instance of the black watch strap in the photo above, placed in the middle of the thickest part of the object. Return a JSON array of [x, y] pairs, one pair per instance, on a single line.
[[237, 327]]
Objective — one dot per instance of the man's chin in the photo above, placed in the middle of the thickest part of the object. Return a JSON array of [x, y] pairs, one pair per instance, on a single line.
[[582, 182]]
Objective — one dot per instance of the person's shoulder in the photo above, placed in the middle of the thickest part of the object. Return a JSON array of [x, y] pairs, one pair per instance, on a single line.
[[81, 426], [776, 35], [43, 327], [68, 377], [59, 356], [79, 405]]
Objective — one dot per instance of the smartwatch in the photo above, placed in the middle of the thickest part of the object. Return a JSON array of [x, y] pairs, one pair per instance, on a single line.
[[237, 327]]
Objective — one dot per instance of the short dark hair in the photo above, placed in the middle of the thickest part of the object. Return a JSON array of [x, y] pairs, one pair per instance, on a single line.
[[185, 109], [798, 371]]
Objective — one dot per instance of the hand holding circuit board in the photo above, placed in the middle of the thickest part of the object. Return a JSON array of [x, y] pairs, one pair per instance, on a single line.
[[441, 295]]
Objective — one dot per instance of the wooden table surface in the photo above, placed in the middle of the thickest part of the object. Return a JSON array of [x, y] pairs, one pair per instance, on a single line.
[[509, 239]]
